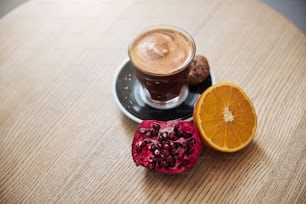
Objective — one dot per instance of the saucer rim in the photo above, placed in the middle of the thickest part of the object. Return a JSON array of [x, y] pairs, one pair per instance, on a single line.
[[119, 104]]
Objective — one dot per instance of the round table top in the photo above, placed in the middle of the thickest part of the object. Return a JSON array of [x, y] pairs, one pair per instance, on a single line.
[[63, 139]]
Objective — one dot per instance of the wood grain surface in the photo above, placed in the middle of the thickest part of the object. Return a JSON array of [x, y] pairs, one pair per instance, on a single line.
[[63, 139]]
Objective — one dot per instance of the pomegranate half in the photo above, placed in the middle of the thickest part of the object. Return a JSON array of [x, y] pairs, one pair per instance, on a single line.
[[169, 147]]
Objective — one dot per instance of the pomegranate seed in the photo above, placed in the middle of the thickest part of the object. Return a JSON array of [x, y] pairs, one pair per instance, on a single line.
[[165, 153], [154, 132], [163, 136], [173, 145], [186, 135], [148, 141], [152, 163], [156, 152], [169, 158], [156, 126], [172, 163], [176, 129], [164, 163], [139, 146], [189, 151], [172, 136], [142, 131], [185, 162], [192, 140], [148, 134], [153, 147], [158, 162], [167, 146]]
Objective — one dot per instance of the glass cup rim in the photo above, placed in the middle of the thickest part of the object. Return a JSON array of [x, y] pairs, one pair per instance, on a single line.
[[168, 27]]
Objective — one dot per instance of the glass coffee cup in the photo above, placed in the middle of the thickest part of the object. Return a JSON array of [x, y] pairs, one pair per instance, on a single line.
[[161, 56]]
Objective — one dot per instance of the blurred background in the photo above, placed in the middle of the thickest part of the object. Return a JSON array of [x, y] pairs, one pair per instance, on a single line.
[[294, 10]]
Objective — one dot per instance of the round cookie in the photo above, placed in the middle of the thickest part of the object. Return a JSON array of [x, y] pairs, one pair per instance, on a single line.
[[198, 70]]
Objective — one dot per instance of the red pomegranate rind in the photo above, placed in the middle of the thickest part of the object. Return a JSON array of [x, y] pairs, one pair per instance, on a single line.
[[168, 147]]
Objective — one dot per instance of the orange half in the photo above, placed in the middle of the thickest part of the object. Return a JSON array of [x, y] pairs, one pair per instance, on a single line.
[[225, 117]]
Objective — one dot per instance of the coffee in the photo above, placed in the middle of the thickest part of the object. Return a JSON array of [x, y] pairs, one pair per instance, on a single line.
[[161, 51], [161, 57]]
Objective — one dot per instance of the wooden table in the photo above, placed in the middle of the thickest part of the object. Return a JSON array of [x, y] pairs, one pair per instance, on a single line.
[[63, 139]]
